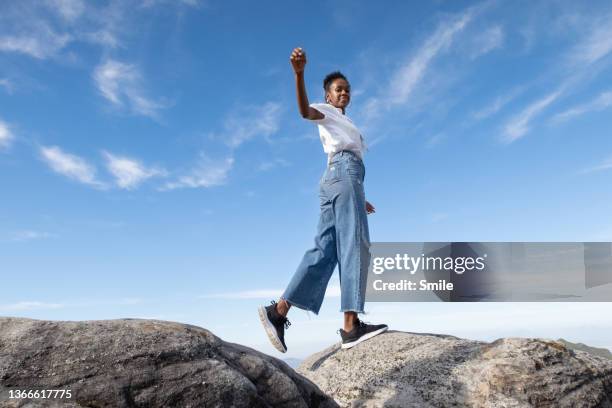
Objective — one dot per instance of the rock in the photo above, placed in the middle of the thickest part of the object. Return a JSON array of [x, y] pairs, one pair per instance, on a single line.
[[143, 363], [398, 369]]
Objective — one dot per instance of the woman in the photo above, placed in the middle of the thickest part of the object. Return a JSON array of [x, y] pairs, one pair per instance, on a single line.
[[342, 236]]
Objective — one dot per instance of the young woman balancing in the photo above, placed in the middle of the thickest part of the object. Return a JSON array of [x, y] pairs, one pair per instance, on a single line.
[[343, 237]]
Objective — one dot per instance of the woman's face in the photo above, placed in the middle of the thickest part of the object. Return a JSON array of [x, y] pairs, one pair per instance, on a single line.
[[339, 93]]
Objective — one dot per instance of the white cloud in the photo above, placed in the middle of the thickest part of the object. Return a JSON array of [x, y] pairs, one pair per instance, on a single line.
[[487, 41], [110, 76], [518, 126], [332, 291], [29, 235], [70, 166], [128, 172], [121, 84], [152, 3], [34, 305], [596, 44], [69, 10], [29, 305], [498, 104], [268, 165], [6, 84], [603, 101], [6, 136], [207, 173], [606, 165], [437, 217], [406, 78], [435, 140], [105, 38], [41, 42], [249, 122], [593, 47]]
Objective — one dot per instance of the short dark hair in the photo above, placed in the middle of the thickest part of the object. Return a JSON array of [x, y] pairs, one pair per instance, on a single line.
[[331, 78]]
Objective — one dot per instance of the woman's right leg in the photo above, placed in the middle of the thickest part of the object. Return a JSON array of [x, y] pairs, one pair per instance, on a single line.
[[307, 287]]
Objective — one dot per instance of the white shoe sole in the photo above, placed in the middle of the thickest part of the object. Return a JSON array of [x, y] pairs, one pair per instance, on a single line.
[[270, 330], [364, 338]]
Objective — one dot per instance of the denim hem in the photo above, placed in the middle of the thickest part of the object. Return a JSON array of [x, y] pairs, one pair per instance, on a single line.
[[292, 303], [353, 310]]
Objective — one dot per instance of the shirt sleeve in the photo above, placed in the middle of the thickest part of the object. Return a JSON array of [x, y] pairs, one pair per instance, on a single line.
[[321, 107]]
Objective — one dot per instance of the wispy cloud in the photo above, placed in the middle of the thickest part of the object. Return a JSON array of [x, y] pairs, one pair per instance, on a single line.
[[437, 217], [69, 10], [29, 305], [207, 173], [121, 84], [45, 29], [581, 65], [41, 43], [7, 85], [434, 140], [409, 75], [6, 136], [29, 235], [596, 43], [487, 41], [191, 3], [498, 103], [603, 101], [129, 172], [269, 165], [605, 165], [38, 305], [71, 166], [405, 79], [332, 291], [518, 126], [248, 122]]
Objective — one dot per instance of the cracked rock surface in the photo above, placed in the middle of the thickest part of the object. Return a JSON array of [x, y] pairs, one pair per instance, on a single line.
[[143, 363], [398, 369]]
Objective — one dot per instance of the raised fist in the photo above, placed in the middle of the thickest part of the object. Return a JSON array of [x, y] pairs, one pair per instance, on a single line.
[[298, 60]]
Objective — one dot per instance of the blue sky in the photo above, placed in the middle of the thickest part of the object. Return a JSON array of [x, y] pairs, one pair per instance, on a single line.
[[153, 163]]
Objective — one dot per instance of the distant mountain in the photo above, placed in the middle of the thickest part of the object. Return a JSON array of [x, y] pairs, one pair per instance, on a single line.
[[601, 352], [293, 362]]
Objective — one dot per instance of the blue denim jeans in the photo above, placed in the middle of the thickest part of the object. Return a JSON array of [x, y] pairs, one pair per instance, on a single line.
[[342, 239]]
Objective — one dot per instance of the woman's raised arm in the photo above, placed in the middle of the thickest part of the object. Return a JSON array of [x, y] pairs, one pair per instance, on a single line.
[[298, 62]]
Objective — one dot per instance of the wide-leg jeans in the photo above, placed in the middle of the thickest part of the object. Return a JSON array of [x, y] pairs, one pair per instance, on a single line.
[[342, 239]]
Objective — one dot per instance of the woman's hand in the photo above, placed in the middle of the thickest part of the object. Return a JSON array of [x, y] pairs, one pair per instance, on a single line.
[[370, 208], [298, 60]]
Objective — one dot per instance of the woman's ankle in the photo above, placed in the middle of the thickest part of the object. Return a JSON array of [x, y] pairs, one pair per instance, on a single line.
[[282, 307], [350, 320]]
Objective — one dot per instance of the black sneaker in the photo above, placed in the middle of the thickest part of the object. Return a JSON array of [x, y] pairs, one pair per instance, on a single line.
[[275, 325], [361, 332]]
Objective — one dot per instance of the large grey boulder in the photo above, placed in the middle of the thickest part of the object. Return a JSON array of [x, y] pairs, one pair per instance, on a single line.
[[398, 369], [143, 363]]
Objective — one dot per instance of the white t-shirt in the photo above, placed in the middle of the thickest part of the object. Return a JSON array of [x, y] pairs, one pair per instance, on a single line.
[[337, 131]]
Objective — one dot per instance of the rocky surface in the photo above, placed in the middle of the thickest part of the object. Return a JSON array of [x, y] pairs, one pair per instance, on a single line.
[[398, 369], [143, 363]]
